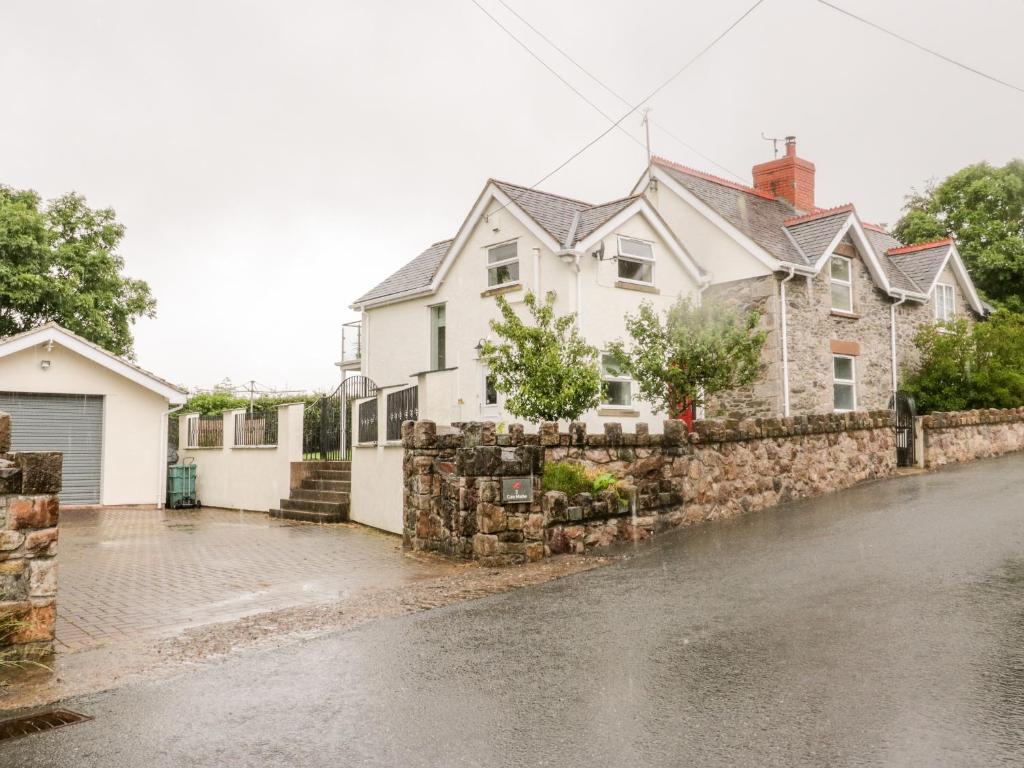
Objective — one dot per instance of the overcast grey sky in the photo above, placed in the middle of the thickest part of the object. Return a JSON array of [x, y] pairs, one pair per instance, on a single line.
[[272, 161]]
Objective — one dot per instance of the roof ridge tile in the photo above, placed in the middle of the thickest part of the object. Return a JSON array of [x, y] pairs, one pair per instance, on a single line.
[[820, 213], [919, 246], [659, 160]]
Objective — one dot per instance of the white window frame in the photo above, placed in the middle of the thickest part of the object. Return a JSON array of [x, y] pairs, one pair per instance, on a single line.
[[502, 263], [851, 382], [948, 311], [848, 284], [624, 379], [486, 407], [620, 256]]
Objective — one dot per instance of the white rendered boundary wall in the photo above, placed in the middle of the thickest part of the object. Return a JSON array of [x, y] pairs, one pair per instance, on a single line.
[[247, 477], [377, 478]]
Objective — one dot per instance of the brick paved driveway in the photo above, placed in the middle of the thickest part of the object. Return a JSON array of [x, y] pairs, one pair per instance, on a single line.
[[126, 572]]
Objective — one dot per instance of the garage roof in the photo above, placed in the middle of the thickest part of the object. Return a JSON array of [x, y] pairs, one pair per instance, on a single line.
[[95, 353]]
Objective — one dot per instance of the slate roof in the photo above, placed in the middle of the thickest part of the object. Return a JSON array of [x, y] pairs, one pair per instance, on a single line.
[[416, 274], [757, 215], [921, 265], [765, 220], [815, 234], [567, 220]]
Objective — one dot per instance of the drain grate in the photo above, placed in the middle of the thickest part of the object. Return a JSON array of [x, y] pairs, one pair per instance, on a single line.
[[39, 722]]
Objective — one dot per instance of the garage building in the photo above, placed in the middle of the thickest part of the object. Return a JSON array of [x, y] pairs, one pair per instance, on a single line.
[[105, 414]]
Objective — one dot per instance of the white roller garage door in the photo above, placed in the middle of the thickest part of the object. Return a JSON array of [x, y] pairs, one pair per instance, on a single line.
[[71, 424]]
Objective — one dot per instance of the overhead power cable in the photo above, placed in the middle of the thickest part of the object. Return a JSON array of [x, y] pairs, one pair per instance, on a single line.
[[603, 85], [920, 47], [689, 63]]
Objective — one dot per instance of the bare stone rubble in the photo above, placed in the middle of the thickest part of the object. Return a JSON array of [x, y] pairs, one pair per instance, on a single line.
[[29, 508]]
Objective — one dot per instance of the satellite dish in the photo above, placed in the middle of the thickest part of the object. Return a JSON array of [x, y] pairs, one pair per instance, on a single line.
[[599, 253]]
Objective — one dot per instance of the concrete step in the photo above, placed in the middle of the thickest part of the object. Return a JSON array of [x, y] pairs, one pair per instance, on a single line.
[[305, 516], [317, 494], [309, 484], [330, 474], [340, 466]]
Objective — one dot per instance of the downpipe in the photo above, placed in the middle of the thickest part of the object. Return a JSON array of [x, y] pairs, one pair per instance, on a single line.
[[162, 454], [785, 341], [892, 343]]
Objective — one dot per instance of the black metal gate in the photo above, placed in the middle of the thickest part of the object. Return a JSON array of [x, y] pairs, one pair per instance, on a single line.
[[322, 437], [903, 405]]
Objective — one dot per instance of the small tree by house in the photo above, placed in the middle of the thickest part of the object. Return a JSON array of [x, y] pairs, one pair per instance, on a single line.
[[545, 368], [964, 366], [692, 354]]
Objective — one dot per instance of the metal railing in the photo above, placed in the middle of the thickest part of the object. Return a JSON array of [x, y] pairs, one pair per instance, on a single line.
[[403, 405], [368, 421], [258, 429], [204, 431]]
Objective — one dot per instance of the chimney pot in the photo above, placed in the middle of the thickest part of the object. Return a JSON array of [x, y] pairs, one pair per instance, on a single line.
[[789, 177]]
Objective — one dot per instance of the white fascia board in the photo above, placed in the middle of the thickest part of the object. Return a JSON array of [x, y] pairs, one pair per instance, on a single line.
[[718, 220], [642, 182], [874, 264], [394, 298], [89, 352], [643, 208], [491, 192], [960, 270]]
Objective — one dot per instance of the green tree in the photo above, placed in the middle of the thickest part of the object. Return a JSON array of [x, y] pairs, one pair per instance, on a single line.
[[59, 262], [982, 207], [546, 369], [696, 352], [964, 366]]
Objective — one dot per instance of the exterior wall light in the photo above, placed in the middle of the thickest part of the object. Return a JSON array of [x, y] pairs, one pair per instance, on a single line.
[[44, 364]]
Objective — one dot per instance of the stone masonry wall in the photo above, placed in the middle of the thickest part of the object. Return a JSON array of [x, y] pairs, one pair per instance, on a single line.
[[949, 438], [722, 469], [29, 484], [764, 397]]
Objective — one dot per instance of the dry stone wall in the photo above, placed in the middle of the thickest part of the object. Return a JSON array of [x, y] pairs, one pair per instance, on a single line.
[[29, 509], [723, 468], [950, 438]]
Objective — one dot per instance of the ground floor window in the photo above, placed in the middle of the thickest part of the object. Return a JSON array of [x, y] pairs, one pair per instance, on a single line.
[[616, 386], [844, 383], [490, 390]]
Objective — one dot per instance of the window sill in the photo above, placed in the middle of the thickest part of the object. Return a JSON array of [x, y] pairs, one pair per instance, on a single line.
[[617, 410], [845, 315], [500, 289], [421, 373], [642, 287]]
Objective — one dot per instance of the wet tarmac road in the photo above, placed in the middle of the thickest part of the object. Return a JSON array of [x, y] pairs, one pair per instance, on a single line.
[[881, 626]]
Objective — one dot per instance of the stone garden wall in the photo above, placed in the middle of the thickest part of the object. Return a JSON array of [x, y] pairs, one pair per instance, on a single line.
[[29, 483], [950, 438], [453, 479]]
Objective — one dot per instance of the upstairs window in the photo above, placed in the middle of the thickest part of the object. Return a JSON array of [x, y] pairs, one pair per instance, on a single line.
[[636, 261], [502, 265], [437, 337], [844, 383], [616, 386], [945, 309], [841, 277]]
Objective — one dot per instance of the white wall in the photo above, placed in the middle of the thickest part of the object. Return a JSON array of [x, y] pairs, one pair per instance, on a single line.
[[377, 480], [398, 337], [237, 477], [134, 441]]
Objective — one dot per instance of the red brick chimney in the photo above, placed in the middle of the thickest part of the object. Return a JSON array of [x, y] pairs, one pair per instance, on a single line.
[[789, 177]]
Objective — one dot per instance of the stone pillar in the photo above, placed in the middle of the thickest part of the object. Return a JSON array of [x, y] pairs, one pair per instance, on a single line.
[[29, 484]]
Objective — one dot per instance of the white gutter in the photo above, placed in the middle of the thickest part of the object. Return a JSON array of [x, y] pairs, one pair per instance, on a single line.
[[892, 330], [162, 455], [785, 340], [572, 256]]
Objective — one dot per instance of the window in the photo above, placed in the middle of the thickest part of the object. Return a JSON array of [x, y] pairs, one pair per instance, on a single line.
[[945, 308], [841, 275], [616, 386], [490, 390], [636, 261], [437, 337], [502, 265], [844, 384]]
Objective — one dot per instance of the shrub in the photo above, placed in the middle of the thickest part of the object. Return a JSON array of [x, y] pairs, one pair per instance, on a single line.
[[964, 367], [567, 477]]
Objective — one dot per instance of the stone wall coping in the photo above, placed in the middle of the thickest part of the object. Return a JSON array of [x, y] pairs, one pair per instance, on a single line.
[[953, 419], [428, 435]]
